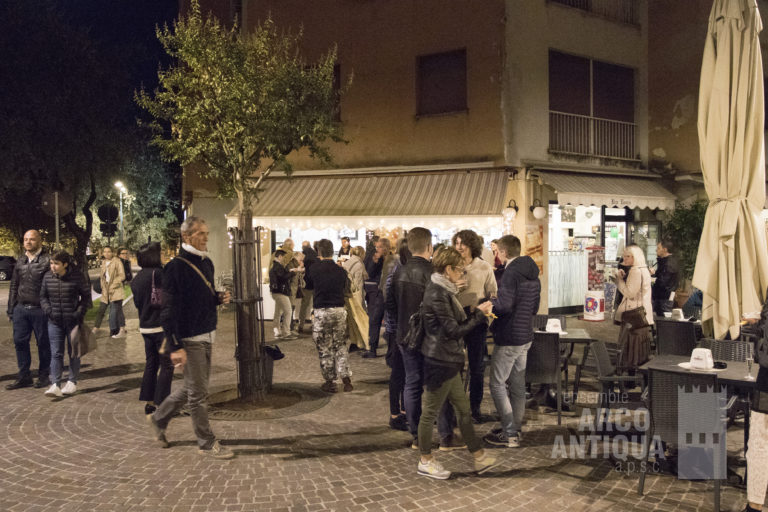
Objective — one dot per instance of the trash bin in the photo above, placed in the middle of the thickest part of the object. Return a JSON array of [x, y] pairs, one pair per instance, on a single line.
[[594, 306]]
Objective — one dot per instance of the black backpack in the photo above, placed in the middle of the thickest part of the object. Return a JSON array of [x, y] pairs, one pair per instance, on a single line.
[[415, 335]]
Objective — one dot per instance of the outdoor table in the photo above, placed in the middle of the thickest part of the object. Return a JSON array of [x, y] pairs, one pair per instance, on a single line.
[[734, 375], [572, 337]]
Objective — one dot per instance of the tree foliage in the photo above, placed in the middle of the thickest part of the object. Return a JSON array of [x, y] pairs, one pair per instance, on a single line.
[[68, 118], [241, 103], [684, 227]]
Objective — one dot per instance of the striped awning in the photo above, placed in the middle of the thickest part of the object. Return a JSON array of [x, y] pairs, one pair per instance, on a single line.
[[371, 199], [610, 191]]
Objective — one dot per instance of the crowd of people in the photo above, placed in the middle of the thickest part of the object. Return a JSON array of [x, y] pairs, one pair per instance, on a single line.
[[435, 305]]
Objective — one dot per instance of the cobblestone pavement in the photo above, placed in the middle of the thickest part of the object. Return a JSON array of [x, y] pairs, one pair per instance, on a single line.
[[92, 451]]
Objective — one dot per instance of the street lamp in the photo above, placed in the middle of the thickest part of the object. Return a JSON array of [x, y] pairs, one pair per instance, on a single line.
[[119, 185]]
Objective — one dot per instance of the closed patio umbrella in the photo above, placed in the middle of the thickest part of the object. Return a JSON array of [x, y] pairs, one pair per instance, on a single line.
[[732, 262]]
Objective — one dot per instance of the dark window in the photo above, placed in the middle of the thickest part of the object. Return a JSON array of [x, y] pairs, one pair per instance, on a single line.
[[442, 83], [568, 83], [591, 88], [614, 92]]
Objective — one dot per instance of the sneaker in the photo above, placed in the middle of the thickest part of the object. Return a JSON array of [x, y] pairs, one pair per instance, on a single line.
[[414, 443], [499, 438], [486, 462], [217, 451], [69, 388], [54, 390], [290, 337], [122, 333], [149, 409], [434, 469], [451, 443], [399, 422], [158, 434], [347, 384], [353, 348]]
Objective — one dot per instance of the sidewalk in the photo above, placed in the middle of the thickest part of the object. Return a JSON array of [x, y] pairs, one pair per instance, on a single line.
[[92, 451]]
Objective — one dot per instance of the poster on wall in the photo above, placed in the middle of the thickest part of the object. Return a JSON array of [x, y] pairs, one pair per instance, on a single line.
[[534, 244]]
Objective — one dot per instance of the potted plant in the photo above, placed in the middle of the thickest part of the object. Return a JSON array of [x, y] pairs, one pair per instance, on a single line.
[[684, 227]]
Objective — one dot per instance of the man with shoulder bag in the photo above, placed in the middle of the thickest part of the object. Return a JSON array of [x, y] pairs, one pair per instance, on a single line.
[[189, 320]]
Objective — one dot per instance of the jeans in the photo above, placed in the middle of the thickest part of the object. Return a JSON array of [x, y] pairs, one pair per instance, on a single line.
[[476, 352], [507, 385], [25, 321], [58, 336], [451, 391], [155, 386], [306, 307], [116, 316], [281, 320], [396, 377], [194, 393], [413, 362], [375, 301]]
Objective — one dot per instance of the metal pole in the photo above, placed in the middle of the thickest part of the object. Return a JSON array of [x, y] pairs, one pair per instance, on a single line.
[[121, 216], [56, 216]]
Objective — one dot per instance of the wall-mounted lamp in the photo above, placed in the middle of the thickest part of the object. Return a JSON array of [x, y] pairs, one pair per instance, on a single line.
[[510, 212], [539, 212]]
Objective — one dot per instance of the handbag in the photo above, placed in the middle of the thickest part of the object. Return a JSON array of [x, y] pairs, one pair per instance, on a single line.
[[81, 340], [156, 296], [415, 335], [635, 317]]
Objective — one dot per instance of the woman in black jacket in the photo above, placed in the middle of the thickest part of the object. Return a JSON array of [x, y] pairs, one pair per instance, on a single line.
[[445, 324], [65, 296], [148, 283]]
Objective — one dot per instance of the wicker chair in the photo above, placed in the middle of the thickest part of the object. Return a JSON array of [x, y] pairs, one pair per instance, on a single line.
[[608, 378], [543, 364], [666, 414], [675, 337], [728, 350]]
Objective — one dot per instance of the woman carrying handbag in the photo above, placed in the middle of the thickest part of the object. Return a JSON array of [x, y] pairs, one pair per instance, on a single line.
[[635, 313]]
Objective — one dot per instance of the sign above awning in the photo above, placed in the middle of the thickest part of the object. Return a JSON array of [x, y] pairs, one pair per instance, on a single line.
[[404, 200], [610, 191]]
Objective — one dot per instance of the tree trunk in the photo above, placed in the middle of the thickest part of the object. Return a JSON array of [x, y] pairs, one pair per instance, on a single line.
[[254, 366]]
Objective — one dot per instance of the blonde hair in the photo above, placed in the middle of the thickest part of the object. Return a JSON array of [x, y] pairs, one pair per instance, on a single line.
[[357, 251], [637, 256]]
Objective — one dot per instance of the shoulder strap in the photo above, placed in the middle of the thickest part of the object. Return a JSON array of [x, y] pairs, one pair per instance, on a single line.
[[207, 283]]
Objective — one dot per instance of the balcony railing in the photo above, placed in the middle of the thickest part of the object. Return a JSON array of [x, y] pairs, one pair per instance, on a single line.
[[591, 136], [624, 11]]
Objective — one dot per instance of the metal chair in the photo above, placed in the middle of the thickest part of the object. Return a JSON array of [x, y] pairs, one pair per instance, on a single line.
[[686, 424], [675, 337], [543, 364], [728, 350]]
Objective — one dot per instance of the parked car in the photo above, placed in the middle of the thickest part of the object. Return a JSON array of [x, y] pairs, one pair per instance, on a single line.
[[6, 267]]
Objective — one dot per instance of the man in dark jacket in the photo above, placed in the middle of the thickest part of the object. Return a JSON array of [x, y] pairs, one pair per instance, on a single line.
[[308, 292], [189, 319], [25, 313], [408, 285], [515, 306], [667, 274]]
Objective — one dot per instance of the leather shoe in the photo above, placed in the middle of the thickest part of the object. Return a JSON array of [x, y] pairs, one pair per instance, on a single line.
[[42, 383], [20, 383], [370, 354]]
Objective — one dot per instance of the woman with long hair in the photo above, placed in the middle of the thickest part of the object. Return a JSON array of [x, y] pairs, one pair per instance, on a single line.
[[147, 289], [65, 296], [635, 286]]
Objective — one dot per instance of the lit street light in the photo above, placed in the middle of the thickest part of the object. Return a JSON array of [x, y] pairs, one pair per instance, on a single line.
[[119, 185]]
